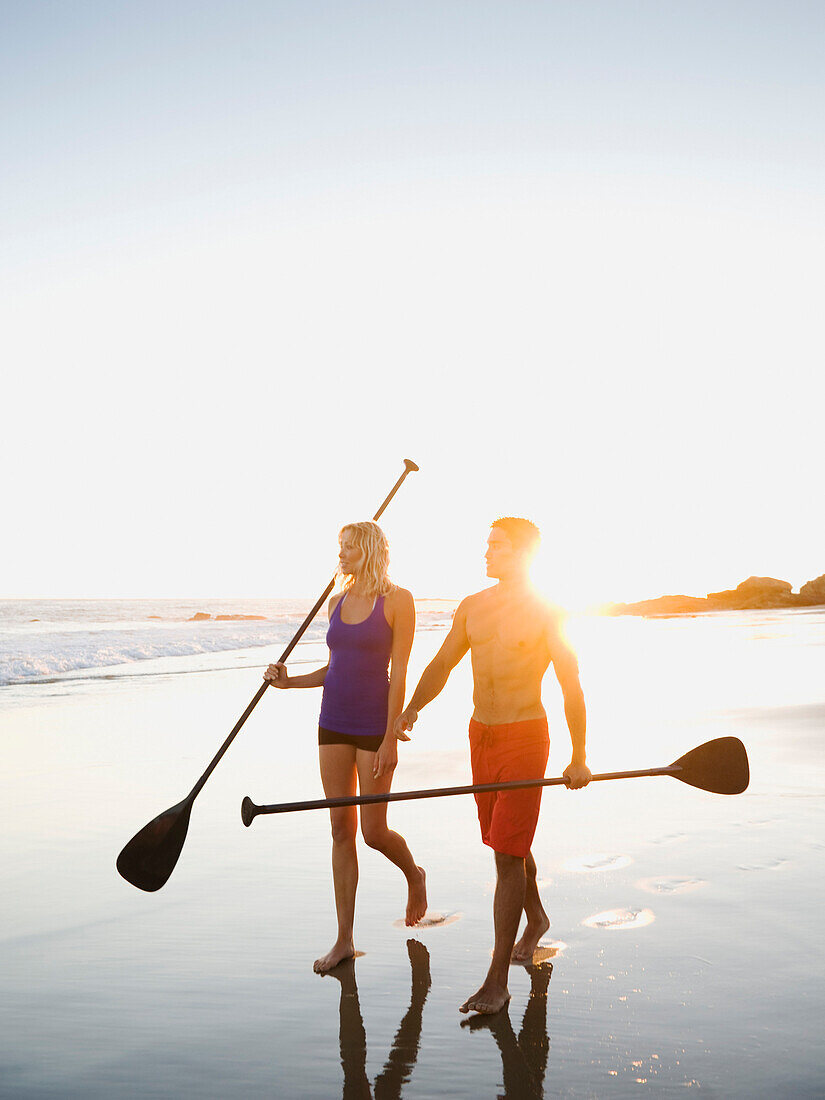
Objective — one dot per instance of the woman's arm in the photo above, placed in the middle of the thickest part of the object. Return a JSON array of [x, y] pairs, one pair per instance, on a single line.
[[278, 676], [400, 609]]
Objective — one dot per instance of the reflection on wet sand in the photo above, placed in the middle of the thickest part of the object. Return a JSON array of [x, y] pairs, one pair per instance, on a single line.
[[353, 1037], [523, 1059]]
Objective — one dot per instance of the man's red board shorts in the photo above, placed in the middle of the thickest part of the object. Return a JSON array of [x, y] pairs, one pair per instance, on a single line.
[[504, 754]]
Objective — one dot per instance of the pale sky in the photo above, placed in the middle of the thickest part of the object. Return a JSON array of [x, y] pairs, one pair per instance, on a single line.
[[565, 256]]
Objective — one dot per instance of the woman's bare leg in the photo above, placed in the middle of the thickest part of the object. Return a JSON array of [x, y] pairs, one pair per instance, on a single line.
[[338, 775], [391, 844]]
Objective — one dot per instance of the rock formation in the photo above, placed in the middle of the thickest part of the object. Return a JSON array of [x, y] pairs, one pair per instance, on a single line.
[[814, 591], [752, 594]]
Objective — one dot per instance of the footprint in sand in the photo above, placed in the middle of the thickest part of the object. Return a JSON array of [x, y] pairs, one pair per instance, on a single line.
[[767, 865], [669, 884], [620, 919], [429, 920], [671, 838], [546, 950], [598, 862]]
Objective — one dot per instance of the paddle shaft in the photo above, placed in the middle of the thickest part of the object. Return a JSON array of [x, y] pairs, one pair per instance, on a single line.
[[440, 792], [409, 467]]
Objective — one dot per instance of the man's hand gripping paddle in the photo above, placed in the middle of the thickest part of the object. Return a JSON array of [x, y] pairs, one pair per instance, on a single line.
[[719, 766], [149, 858]]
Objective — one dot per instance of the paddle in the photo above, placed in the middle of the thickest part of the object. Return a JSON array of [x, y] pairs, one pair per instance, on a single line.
[[720, 766], [149, 858]]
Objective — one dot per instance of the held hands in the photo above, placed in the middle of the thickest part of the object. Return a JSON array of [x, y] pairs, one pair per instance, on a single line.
[[277, 675], [405, 721], [386, 759], [576, 776]]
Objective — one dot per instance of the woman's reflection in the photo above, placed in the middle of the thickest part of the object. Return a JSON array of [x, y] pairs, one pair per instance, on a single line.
[[524, 1060], [353, 1037]]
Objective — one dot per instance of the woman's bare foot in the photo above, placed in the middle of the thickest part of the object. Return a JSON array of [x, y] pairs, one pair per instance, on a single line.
[[491, 998], [417, 899], [339, 952], [523, 950]]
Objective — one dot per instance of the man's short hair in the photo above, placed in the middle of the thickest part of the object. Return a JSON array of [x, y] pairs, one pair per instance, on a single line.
[[523, 534]]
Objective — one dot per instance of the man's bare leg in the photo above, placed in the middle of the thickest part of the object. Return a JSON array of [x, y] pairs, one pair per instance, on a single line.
[[507, 906], [338, 776], [537, 920]]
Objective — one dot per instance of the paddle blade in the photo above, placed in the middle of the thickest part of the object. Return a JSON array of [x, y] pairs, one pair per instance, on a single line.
[[149, 858], [719, 766]]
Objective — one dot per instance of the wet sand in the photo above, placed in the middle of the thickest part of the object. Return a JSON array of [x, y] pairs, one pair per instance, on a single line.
[[684, 944]]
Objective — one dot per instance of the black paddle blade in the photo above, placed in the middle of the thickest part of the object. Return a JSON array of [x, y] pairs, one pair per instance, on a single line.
[[149, 858], [719, 766]]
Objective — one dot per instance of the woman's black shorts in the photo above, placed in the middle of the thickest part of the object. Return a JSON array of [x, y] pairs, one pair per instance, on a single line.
[[370, 742]]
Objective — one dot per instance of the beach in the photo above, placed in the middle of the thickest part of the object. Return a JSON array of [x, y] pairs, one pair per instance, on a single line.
[[683, 951]]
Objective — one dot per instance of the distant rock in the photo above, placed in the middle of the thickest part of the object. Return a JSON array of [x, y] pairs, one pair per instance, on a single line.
[[755, 593], [813, 592], [663, 605], [199, 617], [236, 618], [764, 584]]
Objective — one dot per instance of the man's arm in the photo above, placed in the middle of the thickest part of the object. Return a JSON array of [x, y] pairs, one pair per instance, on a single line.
[[566, 668], [437, 672]]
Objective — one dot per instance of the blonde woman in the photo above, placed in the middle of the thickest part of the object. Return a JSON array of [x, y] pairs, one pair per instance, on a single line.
[[371, 627]]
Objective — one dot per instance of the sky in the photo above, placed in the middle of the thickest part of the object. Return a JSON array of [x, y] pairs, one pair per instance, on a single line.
[[567, 257]]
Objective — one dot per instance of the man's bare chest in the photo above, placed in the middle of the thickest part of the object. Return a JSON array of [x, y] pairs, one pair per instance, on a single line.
[[512, 630]]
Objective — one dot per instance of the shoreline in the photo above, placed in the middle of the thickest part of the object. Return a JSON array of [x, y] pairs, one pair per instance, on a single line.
[[657, 892]]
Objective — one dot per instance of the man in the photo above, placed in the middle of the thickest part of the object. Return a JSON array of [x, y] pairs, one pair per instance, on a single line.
[[512, 635]]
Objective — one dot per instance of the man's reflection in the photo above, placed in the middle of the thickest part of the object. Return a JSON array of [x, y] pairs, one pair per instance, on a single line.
[[524, 1059], [353, 1037]]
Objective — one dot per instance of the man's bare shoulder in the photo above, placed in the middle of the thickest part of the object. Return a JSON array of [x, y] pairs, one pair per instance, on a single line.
[[555, 618], [474, 602], [553, 612]]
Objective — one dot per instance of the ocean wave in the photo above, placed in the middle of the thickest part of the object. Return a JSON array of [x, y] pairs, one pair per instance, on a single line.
[[56, 655], [44, 653]]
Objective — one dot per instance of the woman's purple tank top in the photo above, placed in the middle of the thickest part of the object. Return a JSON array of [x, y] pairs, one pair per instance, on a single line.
[[356, 686]]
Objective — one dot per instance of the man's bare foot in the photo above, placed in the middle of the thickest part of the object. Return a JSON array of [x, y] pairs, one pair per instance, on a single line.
[[417, 899], [339, 952], [523, 950], [491, 998]]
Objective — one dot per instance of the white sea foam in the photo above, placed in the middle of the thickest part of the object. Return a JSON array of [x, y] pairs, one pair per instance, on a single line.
[[54, 639], [57, 653]]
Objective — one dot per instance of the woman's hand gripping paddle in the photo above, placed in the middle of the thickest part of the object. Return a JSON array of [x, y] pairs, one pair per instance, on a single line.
[[719, 766], [149, 858]]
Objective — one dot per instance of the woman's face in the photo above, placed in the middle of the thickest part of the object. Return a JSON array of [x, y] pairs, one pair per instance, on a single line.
[[350, 557]]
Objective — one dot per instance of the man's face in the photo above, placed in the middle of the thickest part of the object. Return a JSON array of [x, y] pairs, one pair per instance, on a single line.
[[501, 557]]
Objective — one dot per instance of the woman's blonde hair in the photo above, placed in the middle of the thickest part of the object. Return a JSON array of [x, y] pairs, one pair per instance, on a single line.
[[372, 542]]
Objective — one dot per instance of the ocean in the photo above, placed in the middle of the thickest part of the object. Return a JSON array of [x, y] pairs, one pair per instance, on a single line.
[[52, 641], [684, 946]]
